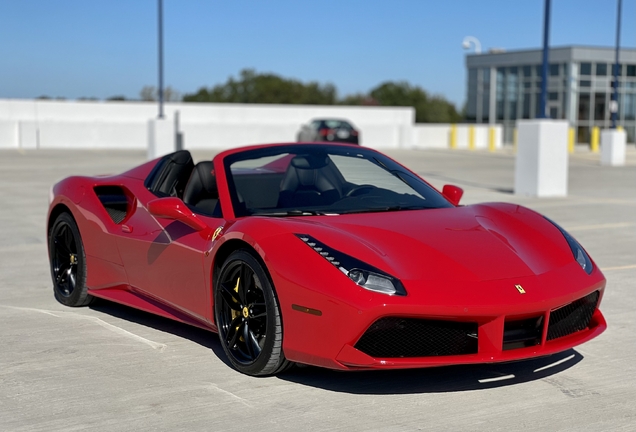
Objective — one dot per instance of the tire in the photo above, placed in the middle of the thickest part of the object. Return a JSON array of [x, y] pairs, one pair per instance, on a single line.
[[68, 263], [248, 316]]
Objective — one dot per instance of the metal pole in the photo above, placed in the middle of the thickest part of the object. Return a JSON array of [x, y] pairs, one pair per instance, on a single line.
[[160, 91], [544, 71], [614, 104]]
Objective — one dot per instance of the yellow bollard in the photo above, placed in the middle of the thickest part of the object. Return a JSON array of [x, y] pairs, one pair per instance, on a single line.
[[595, 137], [491, 139], [471, 137], [571, 140], [514, 140], [453, 136]]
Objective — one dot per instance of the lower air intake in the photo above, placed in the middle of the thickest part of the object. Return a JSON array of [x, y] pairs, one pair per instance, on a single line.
[[407, 337], [572, 317]]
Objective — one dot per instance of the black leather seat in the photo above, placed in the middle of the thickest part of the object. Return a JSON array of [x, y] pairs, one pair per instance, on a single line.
[[310, 180], [201, 191]]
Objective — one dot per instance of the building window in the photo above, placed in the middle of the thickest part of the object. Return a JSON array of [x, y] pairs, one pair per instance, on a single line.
[[584, 106], [553, 96], [630, 106], [526, 106], [586, 68], [601, 69], [620, 69], [631, 70], [527, 71], [554, 69], [538, 109], [599, 106], [585, 83], [512, 93]]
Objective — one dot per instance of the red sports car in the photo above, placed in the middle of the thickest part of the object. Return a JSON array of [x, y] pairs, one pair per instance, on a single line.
[[325, 254]]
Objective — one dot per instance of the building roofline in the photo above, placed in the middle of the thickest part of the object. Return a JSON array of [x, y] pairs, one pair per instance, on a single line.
[[558, 54]]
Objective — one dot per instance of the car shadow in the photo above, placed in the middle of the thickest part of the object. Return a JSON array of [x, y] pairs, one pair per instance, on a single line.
[[434, 380], [405, 381], [197, 335]]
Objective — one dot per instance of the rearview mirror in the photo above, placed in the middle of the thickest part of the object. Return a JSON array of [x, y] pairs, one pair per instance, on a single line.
[[174, 208], [452, 193]]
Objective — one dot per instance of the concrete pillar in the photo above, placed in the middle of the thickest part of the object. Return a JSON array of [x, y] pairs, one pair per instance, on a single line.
[[613, 147], [160, 137], [541, 167]]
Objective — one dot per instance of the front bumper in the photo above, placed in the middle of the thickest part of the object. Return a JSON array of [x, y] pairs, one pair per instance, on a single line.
[[332, 338]]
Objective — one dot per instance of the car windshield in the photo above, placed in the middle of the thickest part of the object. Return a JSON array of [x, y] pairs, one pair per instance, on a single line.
[[304, 179]]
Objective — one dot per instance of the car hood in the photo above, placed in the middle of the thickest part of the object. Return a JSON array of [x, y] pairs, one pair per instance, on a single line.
[[472, 243]]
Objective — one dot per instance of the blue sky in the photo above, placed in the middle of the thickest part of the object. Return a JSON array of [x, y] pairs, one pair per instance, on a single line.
[[101, 48]]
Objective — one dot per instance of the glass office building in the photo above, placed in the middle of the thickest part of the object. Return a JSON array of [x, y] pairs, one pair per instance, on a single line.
[[504, 86]]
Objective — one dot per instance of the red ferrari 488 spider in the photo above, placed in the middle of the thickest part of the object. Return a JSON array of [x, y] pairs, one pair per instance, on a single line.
[[324, 254]]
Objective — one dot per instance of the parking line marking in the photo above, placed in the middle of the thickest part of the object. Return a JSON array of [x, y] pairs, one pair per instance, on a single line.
[[154, 345], [625, 267], [602, 226]]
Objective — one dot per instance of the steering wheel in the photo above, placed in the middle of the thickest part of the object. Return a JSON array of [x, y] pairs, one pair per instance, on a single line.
[[360, 190]]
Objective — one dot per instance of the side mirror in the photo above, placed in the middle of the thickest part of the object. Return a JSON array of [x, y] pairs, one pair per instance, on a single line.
[[452, 193], [174, 208]]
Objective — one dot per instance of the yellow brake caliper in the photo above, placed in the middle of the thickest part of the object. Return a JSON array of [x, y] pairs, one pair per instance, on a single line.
[[235, 314]]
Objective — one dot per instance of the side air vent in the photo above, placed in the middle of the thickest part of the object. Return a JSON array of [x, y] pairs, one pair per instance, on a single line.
[[115, 201]]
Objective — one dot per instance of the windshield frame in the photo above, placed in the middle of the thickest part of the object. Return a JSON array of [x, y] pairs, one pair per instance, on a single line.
[[404, 174]]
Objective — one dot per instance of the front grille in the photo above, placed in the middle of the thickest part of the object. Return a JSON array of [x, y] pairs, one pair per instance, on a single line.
[[572, 317], [522, 333], [407, 337]]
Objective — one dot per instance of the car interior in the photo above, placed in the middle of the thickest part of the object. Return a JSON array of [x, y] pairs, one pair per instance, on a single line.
[[176, 175]]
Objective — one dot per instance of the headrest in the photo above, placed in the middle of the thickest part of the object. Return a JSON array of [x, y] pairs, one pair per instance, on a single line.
[[310, 161], [204, 169]]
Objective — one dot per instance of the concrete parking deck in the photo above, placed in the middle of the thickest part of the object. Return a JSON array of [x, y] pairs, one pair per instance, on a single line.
[[110, 368]]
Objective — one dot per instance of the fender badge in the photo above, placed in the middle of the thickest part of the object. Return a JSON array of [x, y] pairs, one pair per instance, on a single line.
[[217, 232], [520, 289]]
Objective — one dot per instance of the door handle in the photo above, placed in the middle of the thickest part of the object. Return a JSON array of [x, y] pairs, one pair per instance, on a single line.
[[126, 228]]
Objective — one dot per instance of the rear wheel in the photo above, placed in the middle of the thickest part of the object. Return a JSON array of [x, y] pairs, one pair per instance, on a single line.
[[68, 262], [248, 317]]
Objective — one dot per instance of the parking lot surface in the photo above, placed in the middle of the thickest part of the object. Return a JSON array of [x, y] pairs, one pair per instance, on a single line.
[[110, 368]]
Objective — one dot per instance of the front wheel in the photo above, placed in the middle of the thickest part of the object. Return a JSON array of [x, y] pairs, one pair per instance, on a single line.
[[248, 317], [68, 262]]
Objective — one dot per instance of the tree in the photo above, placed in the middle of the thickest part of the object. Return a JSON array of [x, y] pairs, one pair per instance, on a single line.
[[148, 94], [252, 87], [151, 94], [428, 109]]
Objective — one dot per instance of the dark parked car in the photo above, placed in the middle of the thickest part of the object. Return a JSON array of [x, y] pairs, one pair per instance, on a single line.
[[330, 130]]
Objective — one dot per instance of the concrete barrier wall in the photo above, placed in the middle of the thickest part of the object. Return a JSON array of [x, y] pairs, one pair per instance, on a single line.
[[122, 125], [75, 124], [439, 136]]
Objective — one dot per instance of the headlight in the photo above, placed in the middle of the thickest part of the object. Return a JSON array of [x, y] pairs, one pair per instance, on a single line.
[[579, 253], [361, 273]]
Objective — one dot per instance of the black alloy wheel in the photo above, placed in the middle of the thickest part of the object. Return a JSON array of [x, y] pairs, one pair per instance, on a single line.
[[248, 317], [68, 262]]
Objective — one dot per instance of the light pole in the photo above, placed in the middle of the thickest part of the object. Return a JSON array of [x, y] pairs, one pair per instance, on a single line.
[[614, 103], [544, 69], [160, 42], [468, 40], [472, 40]]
